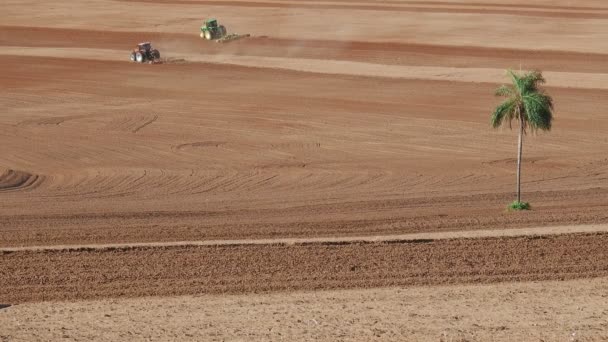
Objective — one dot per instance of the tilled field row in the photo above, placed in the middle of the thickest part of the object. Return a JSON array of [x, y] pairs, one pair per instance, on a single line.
[[395, 53], [28, 276], [320, 66]]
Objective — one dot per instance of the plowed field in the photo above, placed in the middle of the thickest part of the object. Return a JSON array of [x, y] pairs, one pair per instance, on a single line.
[[116, 272], [336, 120]]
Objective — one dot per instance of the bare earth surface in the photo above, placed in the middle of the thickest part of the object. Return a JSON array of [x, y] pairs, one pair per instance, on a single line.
[[338, 121], [536, 232], [504, 312], [388, 136], [144, 271]]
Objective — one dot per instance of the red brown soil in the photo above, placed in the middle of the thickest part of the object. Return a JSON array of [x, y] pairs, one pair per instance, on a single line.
[[159, 160], [36, 230], [97, 150], [413, 7], [105, 151], [74, 275], [391, 53]]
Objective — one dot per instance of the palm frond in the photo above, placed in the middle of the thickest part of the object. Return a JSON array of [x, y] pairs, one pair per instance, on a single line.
[[525, 101], [538, 111], [531, 81], [505, 90], [518, 83], [504, 112]]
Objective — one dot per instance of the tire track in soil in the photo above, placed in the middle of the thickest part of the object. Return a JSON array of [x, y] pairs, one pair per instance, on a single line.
[[145, 124], [15, 180], [162, 271]]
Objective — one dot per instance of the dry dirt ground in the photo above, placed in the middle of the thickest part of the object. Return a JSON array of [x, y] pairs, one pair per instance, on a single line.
[[338, 118], [503, 312], [183, 270]]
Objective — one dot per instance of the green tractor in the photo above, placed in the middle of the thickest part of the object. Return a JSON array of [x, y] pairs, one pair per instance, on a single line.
[[211, 30]]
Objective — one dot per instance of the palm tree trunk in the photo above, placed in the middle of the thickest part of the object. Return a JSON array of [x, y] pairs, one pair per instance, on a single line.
[[519, 152]]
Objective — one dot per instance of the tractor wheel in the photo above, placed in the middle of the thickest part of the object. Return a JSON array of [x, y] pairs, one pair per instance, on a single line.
[[139, 57], [155, 54], [208, 35], [222, 31], [132, 56]]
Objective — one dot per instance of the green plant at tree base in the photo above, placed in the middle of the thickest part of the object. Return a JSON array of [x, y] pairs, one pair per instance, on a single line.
[[517, 205], [531, 107]]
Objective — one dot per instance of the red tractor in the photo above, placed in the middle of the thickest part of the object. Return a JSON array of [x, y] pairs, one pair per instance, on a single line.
[[145, 53]]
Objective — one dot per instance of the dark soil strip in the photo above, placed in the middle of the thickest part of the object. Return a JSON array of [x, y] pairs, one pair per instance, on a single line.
[[133, 272]]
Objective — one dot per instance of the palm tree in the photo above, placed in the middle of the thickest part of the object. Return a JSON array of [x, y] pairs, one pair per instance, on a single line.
[[530, 106]]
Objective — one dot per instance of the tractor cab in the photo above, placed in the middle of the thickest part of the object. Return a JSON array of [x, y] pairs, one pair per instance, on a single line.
[[144, 46], [211, 23], [212, 30]]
